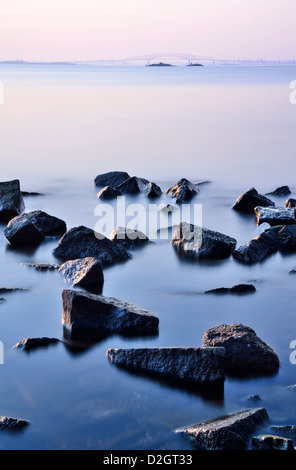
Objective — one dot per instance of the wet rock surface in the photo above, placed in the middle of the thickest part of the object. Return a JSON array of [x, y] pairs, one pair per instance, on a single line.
[[250, 199], [200, 366], [287, 238], [84, 272], [246, 353], [183, 191], [275, 215], [95, 316], [29, 344], [200, 243], [258, 249], [270, 442], [153, 191], [112, 178], [108, 193], [231, 432], [11, 200], [133, 185], [128, 238], [12, 424], [81, 242]]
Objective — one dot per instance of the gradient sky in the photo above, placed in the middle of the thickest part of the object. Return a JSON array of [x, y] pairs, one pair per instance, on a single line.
[[95, 29]]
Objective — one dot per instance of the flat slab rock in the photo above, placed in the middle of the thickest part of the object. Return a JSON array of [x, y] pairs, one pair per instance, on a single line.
[[270, 442], [237, 289], [231, 432], [94, 316], [128, 238], [183, 191], [257, 249], [275, 215], [82, 242], [28, 344], [250, 199], [246, 353], [11, 200], [200, 366], [112, 178], [84, 272], [200, 243], [12, 424]]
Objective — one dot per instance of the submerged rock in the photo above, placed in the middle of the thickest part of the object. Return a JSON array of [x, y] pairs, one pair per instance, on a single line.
[[183, 191], [11, 200], [128, 238], [112, 178], [133, 185], [81, 242], [290, 202], [269, 442], [231, 432], [281, 191], [153, 191], [11, 290], [200, 243], [84, 272], [29, 344], [108, 193], [41, 266], [258, 249], [254, 398], [250, 199], [238, 289], [32, 228], [275, 215], [95, 316], [12, 424], [31, 193], [286, 429], [201, 366], [246, 353]]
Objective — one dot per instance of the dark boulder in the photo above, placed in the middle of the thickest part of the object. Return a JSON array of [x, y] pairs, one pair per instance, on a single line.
[[200, 243], [85, 272], [199, 366], [12, 424], [11, 200], [238, 289], [112, 178], [153, 191], [287, 238], [133, 185], [128, 238], [82, 242], [108, 193], [250, 199], [95, 316], [290, 202], [258, 249], [269, 442], [28, 344], [275, 215], [246, 353], [281, 191], [230, 432], [183, 191]]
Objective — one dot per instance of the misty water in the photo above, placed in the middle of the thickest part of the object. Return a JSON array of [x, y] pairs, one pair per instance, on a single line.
[[60, 127]]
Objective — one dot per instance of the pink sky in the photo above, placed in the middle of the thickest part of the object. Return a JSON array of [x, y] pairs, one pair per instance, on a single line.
[[95, 29]]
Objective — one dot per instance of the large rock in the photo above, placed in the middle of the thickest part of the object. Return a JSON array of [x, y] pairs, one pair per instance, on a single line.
[[281, 191], [258, 249], [108, 193], [112, 178], [246, 353], [250, 199], [153, 191], [28, 344], [275, 215], [11, 200], [231, 432], [128, 238], [183, 191], [95, 316], [81, 242], [133, 185], [200, 243], [201, 366], [31, 228], [287, 238], [270, 442], [12, 424], [84, 272]]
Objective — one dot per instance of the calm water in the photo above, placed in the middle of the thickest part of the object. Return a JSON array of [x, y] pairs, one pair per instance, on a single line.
[[60, 127]]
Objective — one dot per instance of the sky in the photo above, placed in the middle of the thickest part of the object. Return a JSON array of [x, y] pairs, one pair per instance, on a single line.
[[114, 29]]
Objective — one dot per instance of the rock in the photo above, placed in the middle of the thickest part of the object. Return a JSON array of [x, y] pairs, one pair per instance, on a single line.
[[250, 199], [128, 238], [287, 429], [287, 238], [32, 228], [153, 191], [28, 344], [200, 243], [95, 316], [11, 290], [281, 191], [31, 194], [2, 300], [84, 272], [183, 191], [11, 200], [230, 432], [258, 249], [41, 266], [290, 202], [201, 366], [112, 178], [81, 242], [246, 353], [108, 193], [269, 442], [133, 185], [238, 289], [275, 215], [254, 398], [12, 424]]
